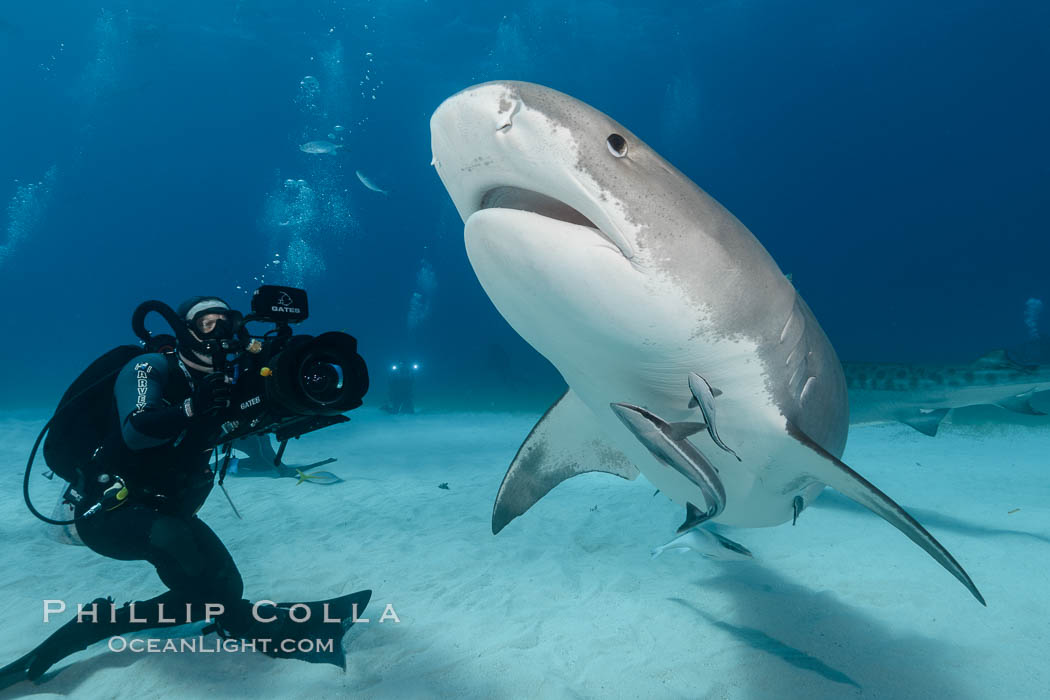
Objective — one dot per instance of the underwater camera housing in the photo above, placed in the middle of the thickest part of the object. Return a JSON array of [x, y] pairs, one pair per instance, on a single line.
[[293, 384], [282, 383]]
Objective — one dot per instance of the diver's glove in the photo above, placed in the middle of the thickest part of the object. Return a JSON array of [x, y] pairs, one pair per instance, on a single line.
[[212, 394]]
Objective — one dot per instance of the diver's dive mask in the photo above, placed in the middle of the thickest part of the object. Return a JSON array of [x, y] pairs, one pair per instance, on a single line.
[[214, 329]]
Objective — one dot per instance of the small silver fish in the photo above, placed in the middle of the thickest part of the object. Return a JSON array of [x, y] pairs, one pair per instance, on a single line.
[[368, 183], [320, 147]]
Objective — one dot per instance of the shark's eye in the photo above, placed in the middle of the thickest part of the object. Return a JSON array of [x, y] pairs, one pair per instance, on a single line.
[[617, 145]]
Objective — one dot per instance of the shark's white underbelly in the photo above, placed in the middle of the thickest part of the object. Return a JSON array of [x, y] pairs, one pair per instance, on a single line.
[[747, 420], [641, 352]]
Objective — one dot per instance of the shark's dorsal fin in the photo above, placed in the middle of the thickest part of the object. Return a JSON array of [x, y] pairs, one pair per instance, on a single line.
[[836, 474], [565, 442]]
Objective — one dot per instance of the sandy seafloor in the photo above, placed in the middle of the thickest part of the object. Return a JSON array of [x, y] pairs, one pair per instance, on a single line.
[[566, 601]]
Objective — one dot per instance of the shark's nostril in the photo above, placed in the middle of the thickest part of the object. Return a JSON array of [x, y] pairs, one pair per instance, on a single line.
[[504, 127]]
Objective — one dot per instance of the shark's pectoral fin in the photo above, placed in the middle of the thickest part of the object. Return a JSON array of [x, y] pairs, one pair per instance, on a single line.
[[565, 442], [926, 422], [836, 474], [1021, 403]]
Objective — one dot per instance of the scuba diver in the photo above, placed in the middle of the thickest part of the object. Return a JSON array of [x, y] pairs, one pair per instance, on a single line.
[[138, 500], [401, 388]]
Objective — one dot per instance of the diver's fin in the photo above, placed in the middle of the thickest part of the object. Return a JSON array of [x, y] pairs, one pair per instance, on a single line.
[[693, 517], [704, 395], [327, 621], [344, 611], [67, 640], [16, 671], [565, 442], [926, 422], [836, 474], [1021, 403]]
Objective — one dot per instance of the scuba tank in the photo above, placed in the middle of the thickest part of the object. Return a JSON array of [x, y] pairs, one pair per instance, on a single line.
[[86, 413]]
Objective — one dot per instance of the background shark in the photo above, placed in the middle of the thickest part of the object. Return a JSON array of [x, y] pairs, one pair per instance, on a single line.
[[922, 395], [688, 353]]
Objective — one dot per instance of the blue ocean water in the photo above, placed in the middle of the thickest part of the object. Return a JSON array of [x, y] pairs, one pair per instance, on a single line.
[[893, 158]]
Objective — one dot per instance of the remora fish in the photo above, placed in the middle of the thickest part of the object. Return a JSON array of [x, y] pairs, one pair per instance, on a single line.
[[922, 395], [628, 277], [706, 543]]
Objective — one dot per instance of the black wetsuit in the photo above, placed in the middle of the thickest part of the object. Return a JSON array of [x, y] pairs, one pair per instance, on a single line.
[[162, 456]]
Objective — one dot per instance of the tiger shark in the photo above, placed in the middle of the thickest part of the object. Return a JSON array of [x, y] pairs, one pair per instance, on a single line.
[[689, 356], [921, 395]]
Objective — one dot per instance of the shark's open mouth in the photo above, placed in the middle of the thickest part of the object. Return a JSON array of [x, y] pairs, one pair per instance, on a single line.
[[508, 197]]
